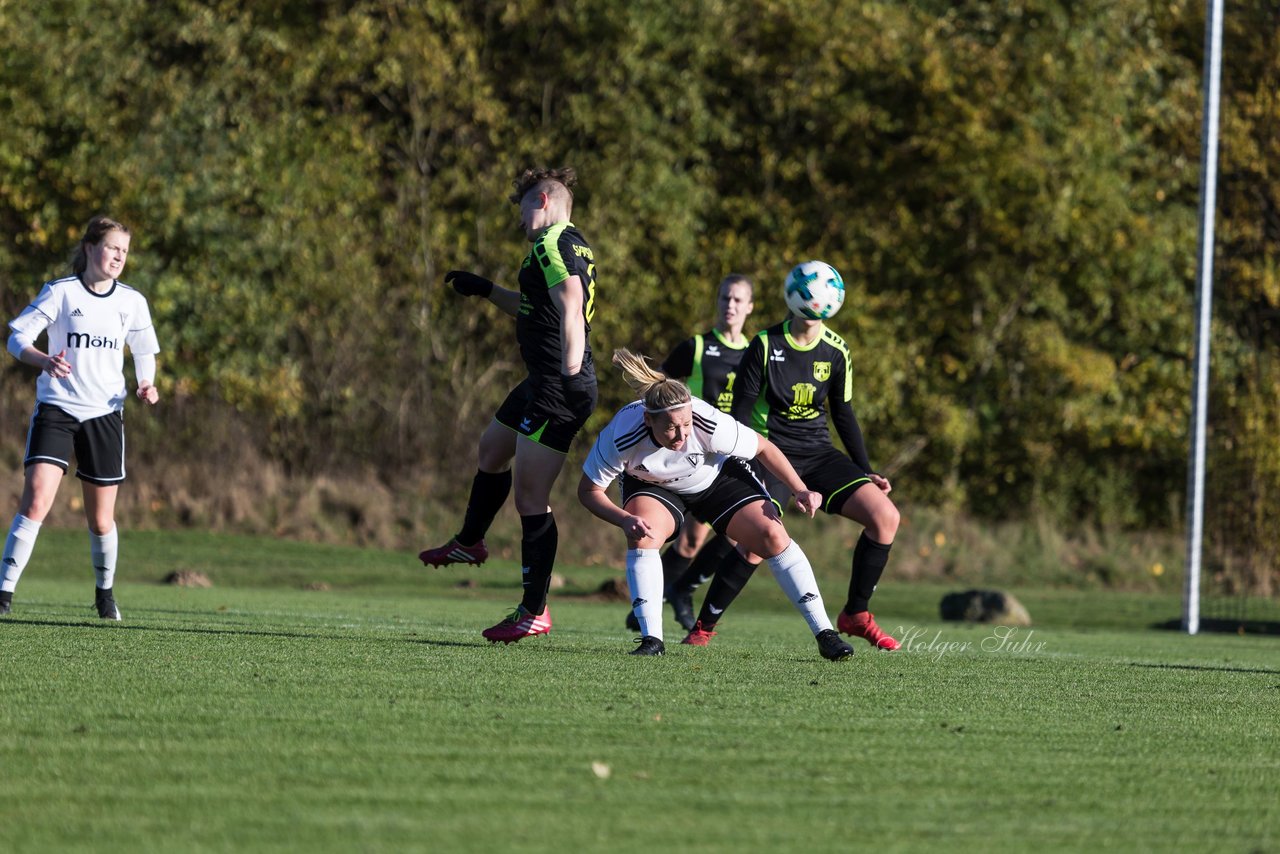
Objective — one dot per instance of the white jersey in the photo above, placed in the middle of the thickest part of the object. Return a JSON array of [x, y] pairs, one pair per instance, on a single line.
[[627, 445], [94, 329]]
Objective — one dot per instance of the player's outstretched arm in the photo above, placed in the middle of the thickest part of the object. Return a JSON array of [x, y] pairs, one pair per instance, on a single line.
[[472, 285], [775, 461], [595, 499]]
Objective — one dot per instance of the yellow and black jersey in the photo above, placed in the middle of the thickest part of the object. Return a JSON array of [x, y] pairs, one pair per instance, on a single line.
[[708, 363], [784, 391], [558, 253]]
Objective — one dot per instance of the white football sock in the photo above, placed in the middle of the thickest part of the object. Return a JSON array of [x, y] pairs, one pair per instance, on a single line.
[[644, 578], [17, 550], [794, 575], [103, 549]]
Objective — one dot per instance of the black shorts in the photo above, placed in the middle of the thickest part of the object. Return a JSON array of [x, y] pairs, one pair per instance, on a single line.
[[538, 410], [98, 444], [736, 486], [825, 470]]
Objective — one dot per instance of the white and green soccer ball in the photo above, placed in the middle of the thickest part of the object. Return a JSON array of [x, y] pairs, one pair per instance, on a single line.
[[814, 290]]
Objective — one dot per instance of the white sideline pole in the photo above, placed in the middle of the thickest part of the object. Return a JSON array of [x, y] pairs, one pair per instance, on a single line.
[[1204, 277]]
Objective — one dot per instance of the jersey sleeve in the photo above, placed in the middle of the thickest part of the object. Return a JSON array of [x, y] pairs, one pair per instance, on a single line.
[[724, 434], [749, 384], [604, 464], [558, 256], [37, 316], [850, 433], [141, 337], [679, 363]]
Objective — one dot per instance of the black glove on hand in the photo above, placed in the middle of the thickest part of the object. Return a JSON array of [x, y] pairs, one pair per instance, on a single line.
[[468, 284], [579, 390]]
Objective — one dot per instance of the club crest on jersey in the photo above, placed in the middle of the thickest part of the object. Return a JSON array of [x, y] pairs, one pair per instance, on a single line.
[[822, 371]]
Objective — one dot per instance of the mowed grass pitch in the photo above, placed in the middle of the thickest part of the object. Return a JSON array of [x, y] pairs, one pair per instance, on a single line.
[[373, 717]]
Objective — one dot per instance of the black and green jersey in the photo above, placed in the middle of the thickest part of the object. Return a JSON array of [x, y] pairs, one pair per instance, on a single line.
[[558, 253], [784, 391], [708, 362]]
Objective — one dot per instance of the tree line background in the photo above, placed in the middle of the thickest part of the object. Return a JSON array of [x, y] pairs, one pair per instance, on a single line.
[[1009, 188]]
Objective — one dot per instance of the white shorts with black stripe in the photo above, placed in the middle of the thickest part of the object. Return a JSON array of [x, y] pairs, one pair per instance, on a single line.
[[735, 487], [97, 444]]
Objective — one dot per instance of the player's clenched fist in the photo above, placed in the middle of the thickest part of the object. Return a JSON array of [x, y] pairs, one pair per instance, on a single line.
[[468, 284]]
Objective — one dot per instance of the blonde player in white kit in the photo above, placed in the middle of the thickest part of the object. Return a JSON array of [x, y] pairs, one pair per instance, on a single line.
[[90, 317], [676, 453]]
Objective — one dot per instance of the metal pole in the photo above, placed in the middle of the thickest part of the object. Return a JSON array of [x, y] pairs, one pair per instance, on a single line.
[[1204, 277]]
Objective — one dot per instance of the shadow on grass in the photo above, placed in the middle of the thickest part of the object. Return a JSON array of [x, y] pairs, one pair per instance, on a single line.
[[1207, 667], [107, 625], [110, 625], [1231, 627]]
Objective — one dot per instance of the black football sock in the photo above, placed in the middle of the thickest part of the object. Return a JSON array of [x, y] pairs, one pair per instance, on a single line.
[[489, 491], [869, 560], [538, 555], [731, 576], [703, 566], [673, 565]]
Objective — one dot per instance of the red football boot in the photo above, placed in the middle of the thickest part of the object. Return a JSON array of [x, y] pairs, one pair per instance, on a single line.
[[519, 624], [698, 636], [863, 625], [454, 552]]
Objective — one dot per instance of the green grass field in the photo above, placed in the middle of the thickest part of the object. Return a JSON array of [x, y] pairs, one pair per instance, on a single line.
[[260, 716]]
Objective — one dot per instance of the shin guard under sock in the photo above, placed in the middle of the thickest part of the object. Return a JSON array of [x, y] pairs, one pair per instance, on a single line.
[[538, 556], [704, 565], [869, 560], [731, 576], [489, 491]]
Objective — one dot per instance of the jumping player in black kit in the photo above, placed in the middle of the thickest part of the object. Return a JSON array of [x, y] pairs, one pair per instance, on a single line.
[[536, 424], [793, 374], [707, 362]]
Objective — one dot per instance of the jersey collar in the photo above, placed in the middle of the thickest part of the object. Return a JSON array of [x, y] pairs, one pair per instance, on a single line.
[[746, 339], [796, 345], [91, 292]]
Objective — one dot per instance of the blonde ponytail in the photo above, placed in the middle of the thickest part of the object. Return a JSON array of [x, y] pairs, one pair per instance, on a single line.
[[658, 391]]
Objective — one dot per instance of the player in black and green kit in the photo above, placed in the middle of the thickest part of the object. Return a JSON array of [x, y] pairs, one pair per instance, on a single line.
[[536, 424], [793, 375], [708, 362]]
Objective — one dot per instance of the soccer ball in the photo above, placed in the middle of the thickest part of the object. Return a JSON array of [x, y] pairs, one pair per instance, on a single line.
[[814, 290]]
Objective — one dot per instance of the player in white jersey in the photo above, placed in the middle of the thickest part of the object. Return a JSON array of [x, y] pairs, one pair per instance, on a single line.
[[675, 453], [90, 318]]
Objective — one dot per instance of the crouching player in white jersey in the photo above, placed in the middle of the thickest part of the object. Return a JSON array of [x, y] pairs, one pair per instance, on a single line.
[[676, 453], [90, 317]]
